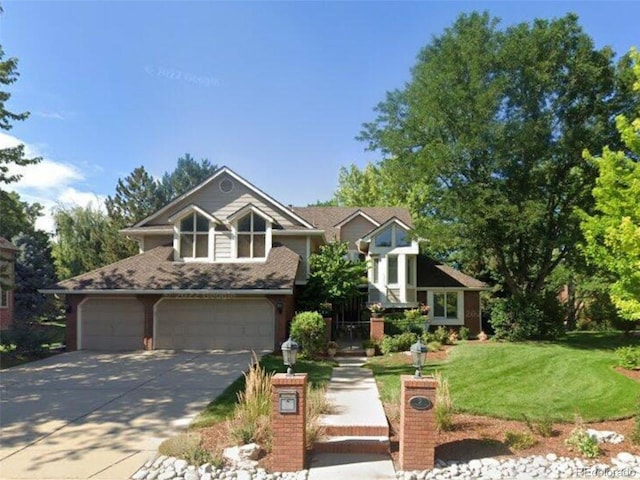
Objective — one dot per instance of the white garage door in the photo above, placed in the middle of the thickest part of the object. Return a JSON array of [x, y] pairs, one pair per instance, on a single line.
[[111, 324], [214, 324]]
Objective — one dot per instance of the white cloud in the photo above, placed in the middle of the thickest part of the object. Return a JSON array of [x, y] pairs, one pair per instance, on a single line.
[[49, 183], [53, 115]]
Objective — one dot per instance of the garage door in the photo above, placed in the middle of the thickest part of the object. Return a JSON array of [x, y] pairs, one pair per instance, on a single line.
[[111, 324], [214, 324]]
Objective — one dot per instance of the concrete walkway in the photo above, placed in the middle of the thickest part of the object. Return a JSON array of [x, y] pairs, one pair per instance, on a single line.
[[358, 417]]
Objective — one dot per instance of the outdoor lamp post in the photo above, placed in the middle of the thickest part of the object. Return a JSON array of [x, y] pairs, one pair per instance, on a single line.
[[419, 355], [289, 354]]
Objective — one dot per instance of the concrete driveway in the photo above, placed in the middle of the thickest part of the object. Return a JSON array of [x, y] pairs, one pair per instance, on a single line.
[[93, 415]]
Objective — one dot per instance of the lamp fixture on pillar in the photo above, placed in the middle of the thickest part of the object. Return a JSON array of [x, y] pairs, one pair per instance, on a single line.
[[418, 355], [289, 354]]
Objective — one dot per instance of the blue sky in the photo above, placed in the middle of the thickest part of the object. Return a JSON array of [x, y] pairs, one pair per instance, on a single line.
[[277, 91]]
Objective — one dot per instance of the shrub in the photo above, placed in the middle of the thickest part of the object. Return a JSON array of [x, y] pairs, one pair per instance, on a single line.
[[441, 335], [516, 319], [188, 446], [628, 357], [634, 436], [308, 328], [434, 346], [397, 343], [519, 440], [541, 426], [453, 337], [251, 418], [584, 443], [465, 333], [444, 405]]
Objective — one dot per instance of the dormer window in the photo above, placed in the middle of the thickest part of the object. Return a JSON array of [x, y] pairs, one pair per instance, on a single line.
[[252, 235], [393, 236], [194, 236]]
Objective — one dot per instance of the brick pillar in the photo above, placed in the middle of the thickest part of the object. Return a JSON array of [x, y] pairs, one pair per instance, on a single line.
[[417, 426], [376, 328], [288, 429]]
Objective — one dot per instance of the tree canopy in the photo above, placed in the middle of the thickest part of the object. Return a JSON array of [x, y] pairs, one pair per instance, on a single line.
[[187, 174], [485, 142], [612, 233], [137, 196]]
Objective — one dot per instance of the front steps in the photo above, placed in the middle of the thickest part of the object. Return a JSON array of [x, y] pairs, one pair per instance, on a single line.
[[358, 423]]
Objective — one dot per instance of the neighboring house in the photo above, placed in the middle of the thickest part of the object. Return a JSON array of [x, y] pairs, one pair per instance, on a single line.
[[8, 253], [220, 265]]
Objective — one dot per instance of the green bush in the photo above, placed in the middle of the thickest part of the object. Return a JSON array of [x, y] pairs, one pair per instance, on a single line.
[[434, 346], [519, 440], [628, 357], [541, 426], [397, 343], [308, 328], [441, 335], [465, 333], [516, 319], [584, 443]]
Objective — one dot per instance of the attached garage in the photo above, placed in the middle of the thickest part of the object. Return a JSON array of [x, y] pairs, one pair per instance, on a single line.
[[183, 324], [110, 324]]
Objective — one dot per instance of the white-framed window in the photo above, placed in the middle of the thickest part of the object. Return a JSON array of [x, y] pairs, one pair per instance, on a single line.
[[252, 236], [392, 269], [393, 236], [445, 304], [194, 236], [376, 269], [411, 270]]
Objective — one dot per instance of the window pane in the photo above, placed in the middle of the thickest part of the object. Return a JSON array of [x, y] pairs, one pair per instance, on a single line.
[[202, 246], [4, 298], [411, 263], [452, 305], [258, 245], [202, 224], [244, 246], [392, 269], [186, 245], [402, 238], [438, 304], [186, 225], [376, 268], [383, 239], [244, 224], [259, 223]]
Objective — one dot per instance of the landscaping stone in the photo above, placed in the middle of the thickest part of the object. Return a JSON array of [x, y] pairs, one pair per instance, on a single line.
[[605, 436]]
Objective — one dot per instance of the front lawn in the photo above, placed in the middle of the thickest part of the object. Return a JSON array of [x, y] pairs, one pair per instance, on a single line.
[[555, 380], [223, 405]]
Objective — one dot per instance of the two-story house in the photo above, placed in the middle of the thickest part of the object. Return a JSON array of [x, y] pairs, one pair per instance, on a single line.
[[219, 267]]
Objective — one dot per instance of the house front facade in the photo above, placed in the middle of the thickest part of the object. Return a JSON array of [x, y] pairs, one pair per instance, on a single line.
[[8, 253], [219, 268]]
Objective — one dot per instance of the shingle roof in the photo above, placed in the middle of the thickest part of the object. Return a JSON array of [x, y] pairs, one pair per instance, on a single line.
[[156, 270], [435, 274], [325, 218]]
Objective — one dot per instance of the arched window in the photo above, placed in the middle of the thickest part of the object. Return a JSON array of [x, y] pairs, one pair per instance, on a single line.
[[252, 235], [194, 236]]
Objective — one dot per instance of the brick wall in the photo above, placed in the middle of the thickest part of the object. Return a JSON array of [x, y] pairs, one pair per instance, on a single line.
[[417, 427], [288, 447], [472, 312]]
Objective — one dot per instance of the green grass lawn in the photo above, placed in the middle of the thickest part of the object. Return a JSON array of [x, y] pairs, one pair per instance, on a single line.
[[556, 380], [223, 405]]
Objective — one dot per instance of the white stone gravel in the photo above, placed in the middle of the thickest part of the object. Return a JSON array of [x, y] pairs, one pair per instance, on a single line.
[[623, 466]]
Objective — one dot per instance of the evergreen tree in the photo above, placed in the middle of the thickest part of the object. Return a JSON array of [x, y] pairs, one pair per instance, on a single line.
[[136, 197], [187, 174]]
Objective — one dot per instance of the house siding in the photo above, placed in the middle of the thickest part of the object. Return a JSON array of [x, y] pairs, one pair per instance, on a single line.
[[153, 241], [355, 229], [221, 204], [299, 246], [222, 245]]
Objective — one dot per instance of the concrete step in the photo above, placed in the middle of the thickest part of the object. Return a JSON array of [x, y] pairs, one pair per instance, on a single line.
[[352, 444], [356, 430]]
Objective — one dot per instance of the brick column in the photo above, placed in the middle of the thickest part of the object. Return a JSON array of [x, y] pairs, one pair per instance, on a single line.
[[288, 429], [417, 427], [376, 329]]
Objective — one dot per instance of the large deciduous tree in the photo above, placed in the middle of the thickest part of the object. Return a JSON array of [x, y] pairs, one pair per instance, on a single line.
[[612, 233], [486, 141]]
